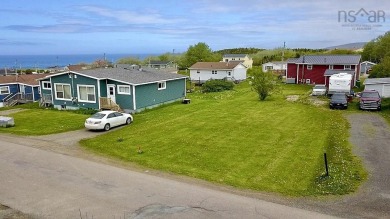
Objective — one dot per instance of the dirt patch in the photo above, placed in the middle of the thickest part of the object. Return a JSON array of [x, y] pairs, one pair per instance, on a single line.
[[317, 102], [8, 112], [292, 98]]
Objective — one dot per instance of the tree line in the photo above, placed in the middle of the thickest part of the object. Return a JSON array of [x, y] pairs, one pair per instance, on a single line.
[[378, 51]]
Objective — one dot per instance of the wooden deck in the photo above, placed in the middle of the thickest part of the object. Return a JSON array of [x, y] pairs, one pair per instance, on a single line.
[[108, 104]]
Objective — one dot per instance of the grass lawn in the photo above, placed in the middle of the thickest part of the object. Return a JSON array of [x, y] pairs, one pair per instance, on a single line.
[[232, 138], [35, 121]]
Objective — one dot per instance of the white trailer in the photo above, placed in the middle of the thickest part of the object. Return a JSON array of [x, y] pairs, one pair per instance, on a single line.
[[340, 83]]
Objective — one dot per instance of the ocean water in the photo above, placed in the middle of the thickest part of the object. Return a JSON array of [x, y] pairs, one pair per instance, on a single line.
[[45, 61]]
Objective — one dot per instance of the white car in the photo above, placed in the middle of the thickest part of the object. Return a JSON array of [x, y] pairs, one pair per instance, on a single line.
[[318, 90], [105, 120]]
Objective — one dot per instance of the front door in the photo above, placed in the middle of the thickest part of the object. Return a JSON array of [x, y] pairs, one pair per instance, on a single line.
[[21, 89], [111, 92]]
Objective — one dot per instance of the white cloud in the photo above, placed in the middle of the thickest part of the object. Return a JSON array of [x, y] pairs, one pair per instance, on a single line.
[[130, 17]]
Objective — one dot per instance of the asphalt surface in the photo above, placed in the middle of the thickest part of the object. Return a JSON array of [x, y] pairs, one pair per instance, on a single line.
[[46, 184]]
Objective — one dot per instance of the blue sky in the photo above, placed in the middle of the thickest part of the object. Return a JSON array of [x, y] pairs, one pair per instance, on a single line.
[[139, 27]]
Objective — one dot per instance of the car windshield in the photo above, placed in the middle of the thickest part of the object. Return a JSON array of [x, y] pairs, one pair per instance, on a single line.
[[319, 87], [338, 97], [370, 95], [97, 116]]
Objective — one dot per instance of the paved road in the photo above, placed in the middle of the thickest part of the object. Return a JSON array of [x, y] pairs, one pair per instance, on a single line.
[[52, 185]]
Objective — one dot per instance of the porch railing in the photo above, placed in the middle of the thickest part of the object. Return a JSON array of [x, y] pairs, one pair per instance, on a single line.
[[108, 104], [46, 99], [18, 98]]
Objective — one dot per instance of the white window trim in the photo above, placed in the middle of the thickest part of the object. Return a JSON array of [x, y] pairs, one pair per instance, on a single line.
[[331, 67], [309, 67], [7, 88], [78, 93], [43, 85], [345, 67], [55, 91], [163, 87], [125, 86]]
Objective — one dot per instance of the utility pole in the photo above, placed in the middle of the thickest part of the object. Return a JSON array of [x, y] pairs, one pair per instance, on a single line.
[[284, 47]]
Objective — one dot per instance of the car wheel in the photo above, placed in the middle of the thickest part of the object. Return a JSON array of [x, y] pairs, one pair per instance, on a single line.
[[128, 121], [106, 127]]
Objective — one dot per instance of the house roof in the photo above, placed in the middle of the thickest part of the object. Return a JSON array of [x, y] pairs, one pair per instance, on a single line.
[[159, 62], [215, 65], [9, 71], [76, 67], [327, 59], [276, 63], [23, 79], [377, 81], [130, 76], [235, 55], [330, 72], [368, 62], [292, 60]]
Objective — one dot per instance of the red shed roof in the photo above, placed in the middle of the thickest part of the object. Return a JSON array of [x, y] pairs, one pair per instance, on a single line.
[[215, 65]]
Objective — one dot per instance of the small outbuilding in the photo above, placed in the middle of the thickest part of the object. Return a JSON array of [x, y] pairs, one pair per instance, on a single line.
[[382, 85]]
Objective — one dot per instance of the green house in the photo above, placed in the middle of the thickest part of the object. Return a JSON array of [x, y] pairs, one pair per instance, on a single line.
[[129, 90]]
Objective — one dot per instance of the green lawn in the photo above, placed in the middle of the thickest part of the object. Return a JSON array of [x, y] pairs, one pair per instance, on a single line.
[[232, 138], [44, 121]]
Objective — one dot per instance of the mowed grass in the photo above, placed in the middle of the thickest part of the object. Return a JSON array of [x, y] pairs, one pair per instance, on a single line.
[[44, 121], [232, 138]]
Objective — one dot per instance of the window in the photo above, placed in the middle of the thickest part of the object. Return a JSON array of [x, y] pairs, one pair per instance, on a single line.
[[198, 72], [162, 85], [309, 67], [214, 72], [270, 67], [347, 67], [123, 89], [307, 81], [330, 66], [229, 73], [46, 85], [86, 93], [4, 90], [63, 91]]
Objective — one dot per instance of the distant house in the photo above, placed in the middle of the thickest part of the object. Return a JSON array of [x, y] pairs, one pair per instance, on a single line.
[[7, 71], [128, 66], [244, 58], [112, 88], [316, 69], [366, 66], [76, 67], [382, 85], [160, 64], [203, 71], [277, 67], [16, 89]]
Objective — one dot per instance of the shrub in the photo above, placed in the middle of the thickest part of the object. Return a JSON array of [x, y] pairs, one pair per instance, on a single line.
[[85, 111], [217, 85]]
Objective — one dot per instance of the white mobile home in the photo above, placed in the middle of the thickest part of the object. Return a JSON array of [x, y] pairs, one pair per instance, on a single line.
[[203, 71]]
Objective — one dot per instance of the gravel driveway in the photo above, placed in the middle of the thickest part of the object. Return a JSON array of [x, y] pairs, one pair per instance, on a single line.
[[369, 133]]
